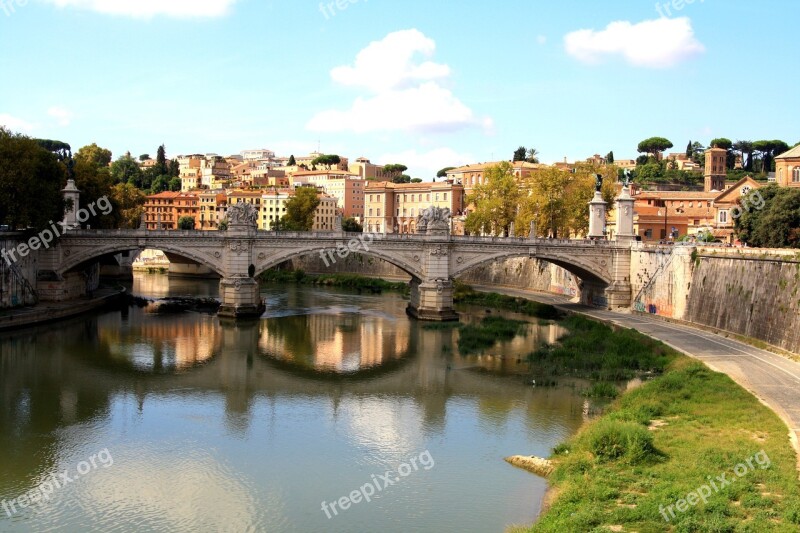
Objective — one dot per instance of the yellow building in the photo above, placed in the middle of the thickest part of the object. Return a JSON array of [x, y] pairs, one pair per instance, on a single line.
[[213, 205], [787, 168], [273, 207]]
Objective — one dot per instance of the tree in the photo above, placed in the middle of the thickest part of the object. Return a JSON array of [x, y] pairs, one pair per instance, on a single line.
[[496, 201], [129, 205], [93, 178], [160, 184], [292, 161], [186, 223], [776, 224], [161, 161], [93, 154], [610, 158], [698, 153], [745, 148], [769, 150], [654, 146], [520, 154], [443, 173], [126, 170], [31, 179], [351, 225], [144, 157], [328, 160], [394, 170], [175, 185], [300, 210], [416, 180], [532, 156], [174, 168], [403, 178], [721, 142], [689, 150]]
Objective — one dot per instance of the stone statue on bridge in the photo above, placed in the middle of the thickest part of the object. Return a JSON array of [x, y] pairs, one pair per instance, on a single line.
[[242, 214], [434, 220]]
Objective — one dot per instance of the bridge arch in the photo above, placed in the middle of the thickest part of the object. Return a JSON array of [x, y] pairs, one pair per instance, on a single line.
[[316, 249], [71, 261], [579, 267]]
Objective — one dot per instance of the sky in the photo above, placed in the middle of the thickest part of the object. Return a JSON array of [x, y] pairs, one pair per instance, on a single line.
[[423, 83]]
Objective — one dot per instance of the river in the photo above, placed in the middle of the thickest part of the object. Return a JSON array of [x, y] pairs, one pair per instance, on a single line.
[[133, 421]]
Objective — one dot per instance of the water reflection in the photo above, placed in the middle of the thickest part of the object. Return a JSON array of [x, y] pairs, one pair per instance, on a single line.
[[237, 427]]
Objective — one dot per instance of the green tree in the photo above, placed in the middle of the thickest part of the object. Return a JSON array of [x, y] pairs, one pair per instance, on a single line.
[[689, 150], [186, 223], [31, 179], [292, 161], [443, 173], [93, 178], [129, 202], [126, 170], [161, 161], [496, 202], [175, 184], [92, 153], [394, 170], [351, 225], [768, 151], [520, 154], [300, 210], [649, 173], [698, 153], [776, 224], [610, 158], [402, 178], [654, 146], [532, 155], [160, 184], [721, 142], [174, 168], [144, 157], [745, 148], [328, 160], [416, 180]]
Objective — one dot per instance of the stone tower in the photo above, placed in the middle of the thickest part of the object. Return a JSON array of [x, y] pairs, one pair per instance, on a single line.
[[72, 193], [716, 169]]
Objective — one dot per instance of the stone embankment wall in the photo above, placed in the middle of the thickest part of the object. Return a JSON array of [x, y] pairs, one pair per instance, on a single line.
[[17, 278], [750, 292]]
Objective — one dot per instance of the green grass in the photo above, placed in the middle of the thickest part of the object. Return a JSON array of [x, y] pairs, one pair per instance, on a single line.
[[475, 338], [350, 281], [595, 351], [465, 294], [617, 472], [601, 390]]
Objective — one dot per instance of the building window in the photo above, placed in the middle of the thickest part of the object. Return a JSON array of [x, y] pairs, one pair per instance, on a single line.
[[796, 175], [648, 234], [723, 217]]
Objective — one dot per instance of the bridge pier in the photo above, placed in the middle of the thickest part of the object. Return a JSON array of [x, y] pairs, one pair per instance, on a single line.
[[241, 298], [432, 301]]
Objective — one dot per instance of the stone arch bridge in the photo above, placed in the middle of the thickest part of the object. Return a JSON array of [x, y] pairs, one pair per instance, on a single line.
[[240, 254]]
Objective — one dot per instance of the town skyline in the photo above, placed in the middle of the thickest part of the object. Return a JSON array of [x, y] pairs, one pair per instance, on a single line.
[[403, 88]]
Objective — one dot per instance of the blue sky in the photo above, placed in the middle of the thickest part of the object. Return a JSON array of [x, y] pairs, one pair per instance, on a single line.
[[428, 84]]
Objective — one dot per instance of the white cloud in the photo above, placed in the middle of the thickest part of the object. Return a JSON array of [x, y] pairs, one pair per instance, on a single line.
[[14, 124], [151, 8], [541, 39], [425, 165], [63, 116], [659, 43], [403, 93]]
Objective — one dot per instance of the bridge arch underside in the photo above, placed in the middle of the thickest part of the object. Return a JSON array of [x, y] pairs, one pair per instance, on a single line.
[[329, 257], [593, 283], [105, 255]]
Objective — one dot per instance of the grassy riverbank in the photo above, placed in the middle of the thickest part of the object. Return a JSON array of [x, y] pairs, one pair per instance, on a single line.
[[656, 452], [350, 281]]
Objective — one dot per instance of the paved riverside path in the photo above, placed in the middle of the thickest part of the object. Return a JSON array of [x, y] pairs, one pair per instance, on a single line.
[[773, 379]]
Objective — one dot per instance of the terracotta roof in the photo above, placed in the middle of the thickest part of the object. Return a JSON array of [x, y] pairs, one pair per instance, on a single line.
[[677, 195], [791, 154]]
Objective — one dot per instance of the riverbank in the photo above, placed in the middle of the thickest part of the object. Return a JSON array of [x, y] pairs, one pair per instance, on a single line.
[[349, 281], [44, 313], [648, 463]]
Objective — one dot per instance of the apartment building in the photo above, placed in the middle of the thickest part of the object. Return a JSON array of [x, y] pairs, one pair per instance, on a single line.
[[470, 176], [164, 210], [346, 187], [787, 168], [368, 171], [213, 207], [394, 208], [273, 208]]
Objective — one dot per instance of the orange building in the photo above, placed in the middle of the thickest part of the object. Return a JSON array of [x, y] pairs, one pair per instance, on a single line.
[[394, 208], [164, 210], [787, 168]]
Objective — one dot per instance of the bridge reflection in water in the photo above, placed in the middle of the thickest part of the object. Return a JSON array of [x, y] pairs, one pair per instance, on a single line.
[[251, 425]]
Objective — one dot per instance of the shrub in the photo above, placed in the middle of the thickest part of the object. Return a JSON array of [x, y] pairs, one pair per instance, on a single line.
[[612, 439]]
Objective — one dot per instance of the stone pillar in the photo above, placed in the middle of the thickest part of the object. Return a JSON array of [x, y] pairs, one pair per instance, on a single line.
[[532, 231], [239, 291], [432, 300], [625, 203], [71, 192], [597, 216]]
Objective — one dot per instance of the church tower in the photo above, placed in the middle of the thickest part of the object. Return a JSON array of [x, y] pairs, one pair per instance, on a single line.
[[716, 169]]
